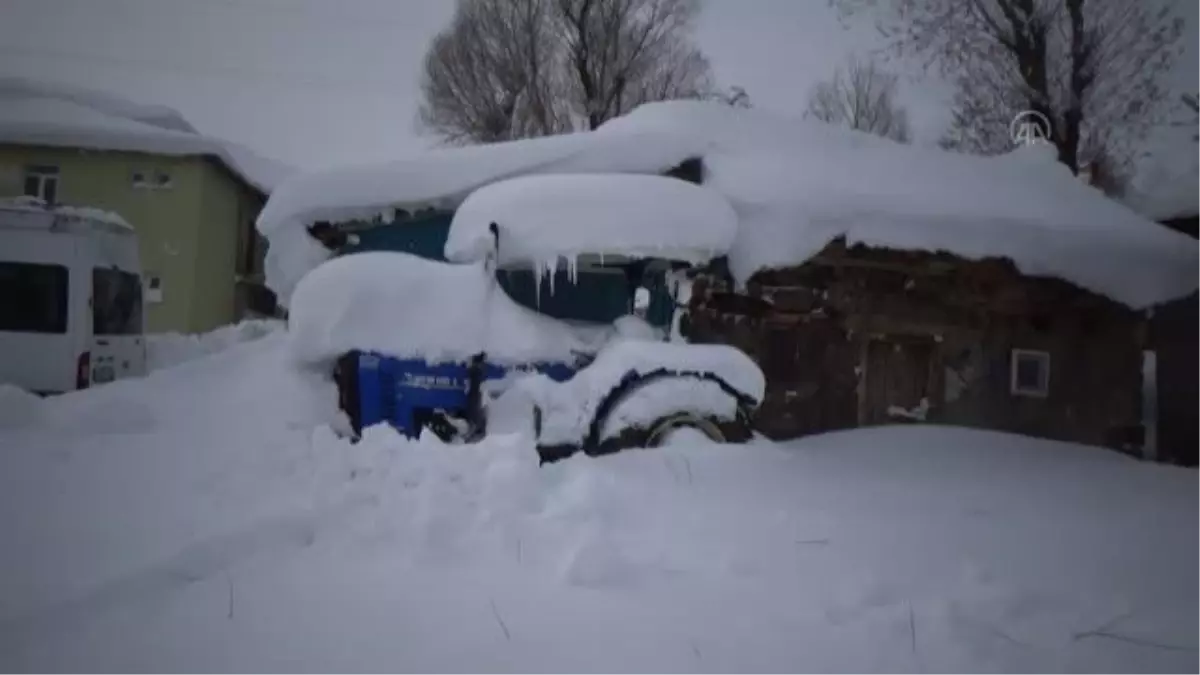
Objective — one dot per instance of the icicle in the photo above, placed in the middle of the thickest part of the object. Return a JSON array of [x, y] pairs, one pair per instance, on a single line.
[[552, 270], [573, 269], [537, 285]]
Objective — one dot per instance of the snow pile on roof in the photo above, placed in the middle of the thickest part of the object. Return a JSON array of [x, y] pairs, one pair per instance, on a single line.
[[45, 113], [407, 306], [35, 205], [542, 218], [795, 185], [443, 177]]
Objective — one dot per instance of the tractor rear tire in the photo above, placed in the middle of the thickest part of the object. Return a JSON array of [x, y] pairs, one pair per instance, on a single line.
[[662, 429]]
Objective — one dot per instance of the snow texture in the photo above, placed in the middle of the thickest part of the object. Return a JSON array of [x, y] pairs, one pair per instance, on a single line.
[[167, 350], [440, 178], [568, 408], [1168, 185], [541, 219], [206, 518], [35, 205], [43, 113], [407, 306], [795, 185]]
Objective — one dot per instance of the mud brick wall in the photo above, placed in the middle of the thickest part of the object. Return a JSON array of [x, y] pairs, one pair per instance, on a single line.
[[855, 332]]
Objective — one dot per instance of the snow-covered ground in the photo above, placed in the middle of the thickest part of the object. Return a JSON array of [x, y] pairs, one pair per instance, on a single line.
[[206, 518], [164, 350]]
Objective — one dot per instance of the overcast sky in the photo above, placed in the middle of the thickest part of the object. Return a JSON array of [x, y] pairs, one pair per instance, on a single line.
[[317, 82]]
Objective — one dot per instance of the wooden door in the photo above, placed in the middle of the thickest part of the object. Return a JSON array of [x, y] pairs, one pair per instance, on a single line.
[[898, 376]]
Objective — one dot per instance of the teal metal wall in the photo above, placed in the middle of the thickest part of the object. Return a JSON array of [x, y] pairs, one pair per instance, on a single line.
[[596, 297]]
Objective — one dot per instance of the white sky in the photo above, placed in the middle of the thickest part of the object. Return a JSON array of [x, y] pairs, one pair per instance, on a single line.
[[318, 82]]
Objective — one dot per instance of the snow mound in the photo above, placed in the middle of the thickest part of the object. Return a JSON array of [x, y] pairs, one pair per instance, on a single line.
[[18, 408], [543, 218], [407, 306], [795, 185], [880, 550], [165, 350], [43, 113]]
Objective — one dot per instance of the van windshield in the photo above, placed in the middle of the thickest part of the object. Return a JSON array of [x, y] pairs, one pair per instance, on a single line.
[[35, 298], [116, 302]]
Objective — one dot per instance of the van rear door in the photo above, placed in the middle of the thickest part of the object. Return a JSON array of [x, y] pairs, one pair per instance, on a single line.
[[117, 343]]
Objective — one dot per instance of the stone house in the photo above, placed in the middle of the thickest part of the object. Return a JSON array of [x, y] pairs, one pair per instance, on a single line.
[[859, 336], [1175, 340]]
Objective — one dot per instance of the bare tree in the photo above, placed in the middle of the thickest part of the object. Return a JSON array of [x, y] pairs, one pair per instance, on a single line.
[[519, 68], [861, 96], [489, 75], [622, 53], [1091, 67]]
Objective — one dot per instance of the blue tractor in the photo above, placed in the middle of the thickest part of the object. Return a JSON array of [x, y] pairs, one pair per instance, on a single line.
[[629, 378]]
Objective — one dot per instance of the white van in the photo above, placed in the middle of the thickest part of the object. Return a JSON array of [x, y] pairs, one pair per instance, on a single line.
[[70, 298]]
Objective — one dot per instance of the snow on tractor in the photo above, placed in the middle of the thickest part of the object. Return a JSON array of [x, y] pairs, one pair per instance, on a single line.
[[441, 346]]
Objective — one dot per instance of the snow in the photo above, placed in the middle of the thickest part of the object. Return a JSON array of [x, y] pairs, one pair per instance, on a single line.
[[207, 518], [545, 218], [568, 408], [1168, 184], [442, 178], [407, 306], [166, 350], [43, 113], [795, 185], [35, 205]]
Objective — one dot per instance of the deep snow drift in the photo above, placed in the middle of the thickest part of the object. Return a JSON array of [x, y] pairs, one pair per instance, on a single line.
[[207, 518], [795, 185]]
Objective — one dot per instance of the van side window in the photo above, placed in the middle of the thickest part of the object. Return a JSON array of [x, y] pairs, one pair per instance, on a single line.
[[116, 302], [42, 182], [35, 298]]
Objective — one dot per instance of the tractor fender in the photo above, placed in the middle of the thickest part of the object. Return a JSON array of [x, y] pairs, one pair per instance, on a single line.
[[633, 382]]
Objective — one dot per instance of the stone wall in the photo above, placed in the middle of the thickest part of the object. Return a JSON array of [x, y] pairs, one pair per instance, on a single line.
[[861, 336]]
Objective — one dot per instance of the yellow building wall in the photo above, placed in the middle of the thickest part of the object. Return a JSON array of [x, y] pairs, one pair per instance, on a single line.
[[188, 233]]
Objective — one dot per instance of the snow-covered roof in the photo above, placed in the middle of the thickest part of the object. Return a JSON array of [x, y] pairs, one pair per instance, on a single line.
[[42, 113], [795, 185], [541, 219]]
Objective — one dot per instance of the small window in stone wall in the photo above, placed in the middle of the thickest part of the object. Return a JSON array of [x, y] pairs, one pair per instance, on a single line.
[[1030, 373]]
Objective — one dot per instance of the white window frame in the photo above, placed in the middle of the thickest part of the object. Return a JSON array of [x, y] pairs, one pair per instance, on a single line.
[[1043, 357], [44, 174]]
